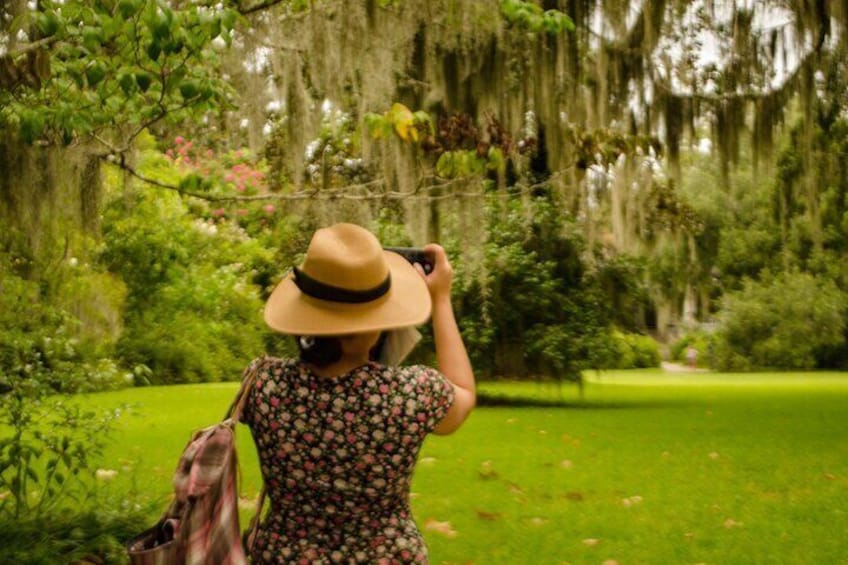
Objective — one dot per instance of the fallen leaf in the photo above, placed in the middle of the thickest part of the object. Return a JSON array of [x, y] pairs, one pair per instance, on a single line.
[[566, 464], [666, 454], [829, 476], [688, 536], [511, 420], [427, 460], [515, 489], [490, 516], [713, 455], [591, 542], [247, 503], [486, 472], [610, 562], [576, 496], [731, 523], [543, 432], [443, 528], [538, 521]]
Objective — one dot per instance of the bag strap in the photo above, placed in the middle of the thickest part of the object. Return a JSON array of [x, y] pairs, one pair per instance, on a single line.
[[249, 536], [236, 408], [233, 416]]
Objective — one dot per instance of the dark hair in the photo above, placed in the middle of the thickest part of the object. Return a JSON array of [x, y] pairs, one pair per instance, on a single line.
[[319, 351], [326, 350], [377, 351]]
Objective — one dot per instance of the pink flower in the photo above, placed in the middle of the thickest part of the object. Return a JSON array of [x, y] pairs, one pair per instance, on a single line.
[[179, 140], [241, 212], [218, 212], [269, 208]]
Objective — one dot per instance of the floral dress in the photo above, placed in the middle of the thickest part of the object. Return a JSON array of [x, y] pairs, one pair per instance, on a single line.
[[337, 457]]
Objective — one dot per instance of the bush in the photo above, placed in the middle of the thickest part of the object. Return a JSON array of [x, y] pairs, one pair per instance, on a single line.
[[193, 310], [792, 322], [86, 535], [635, 351], [532, 308], [51, 441]]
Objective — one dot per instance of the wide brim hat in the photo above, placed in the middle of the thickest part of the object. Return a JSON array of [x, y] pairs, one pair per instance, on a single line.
[[348, 284]]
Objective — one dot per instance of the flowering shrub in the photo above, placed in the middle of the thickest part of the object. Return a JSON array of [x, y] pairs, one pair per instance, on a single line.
[[233, 172]]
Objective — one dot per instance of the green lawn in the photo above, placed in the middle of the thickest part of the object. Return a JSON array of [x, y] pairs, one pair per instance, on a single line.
[[649, 468]]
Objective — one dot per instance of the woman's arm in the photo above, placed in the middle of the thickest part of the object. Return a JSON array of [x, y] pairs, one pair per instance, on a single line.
[[451, 356]]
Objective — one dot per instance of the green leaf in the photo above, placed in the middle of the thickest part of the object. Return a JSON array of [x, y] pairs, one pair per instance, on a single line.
[[191, 183], [189, 89], [174, 46], [31, 128], [143, 80], [32, 475], [228, 19], [128, 8], [128, 83], [48, 23], [94, 73], [446, 165], [154, 50], [92, 38]]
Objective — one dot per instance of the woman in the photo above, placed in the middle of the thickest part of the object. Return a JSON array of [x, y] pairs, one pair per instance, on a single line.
[[337, 433]]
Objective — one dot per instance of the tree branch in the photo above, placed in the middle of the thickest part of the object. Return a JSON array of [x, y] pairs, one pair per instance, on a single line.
[[34, 46], [336, 193], [245, 10]]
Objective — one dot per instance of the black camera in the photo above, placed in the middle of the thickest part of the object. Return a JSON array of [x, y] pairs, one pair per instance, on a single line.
[[414, 255]]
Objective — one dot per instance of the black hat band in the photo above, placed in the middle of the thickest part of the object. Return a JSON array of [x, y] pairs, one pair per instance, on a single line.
[[323, 291]]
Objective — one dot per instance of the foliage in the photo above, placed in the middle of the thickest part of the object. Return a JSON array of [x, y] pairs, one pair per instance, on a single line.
[[111, 64], [51, 440], [530, 16], [535, 309], [760, 324], [192, 306], [92, 533], [634, 351]]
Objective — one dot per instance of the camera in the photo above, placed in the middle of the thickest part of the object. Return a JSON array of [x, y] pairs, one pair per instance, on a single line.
[[414, 255]]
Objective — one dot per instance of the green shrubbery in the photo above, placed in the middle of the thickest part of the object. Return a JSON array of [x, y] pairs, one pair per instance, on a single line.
[[634, 351], [193, 310], [49, 440], [535, 307], [790, 321]]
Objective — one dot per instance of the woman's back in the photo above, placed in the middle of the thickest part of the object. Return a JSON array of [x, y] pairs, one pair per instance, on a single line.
[[337, 456]]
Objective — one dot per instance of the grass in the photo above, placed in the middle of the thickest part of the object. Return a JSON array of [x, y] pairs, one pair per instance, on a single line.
[[649, 467]]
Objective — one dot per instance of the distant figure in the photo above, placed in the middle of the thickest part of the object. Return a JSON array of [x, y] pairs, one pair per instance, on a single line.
[[691, 357]]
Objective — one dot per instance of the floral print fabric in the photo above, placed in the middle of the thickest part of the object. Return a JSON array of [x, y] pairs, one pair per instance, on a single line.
[[337, 457]]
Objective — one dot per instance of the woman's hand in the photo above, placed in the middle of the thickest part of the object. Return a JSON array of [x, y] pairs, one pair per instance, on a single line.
[[451, 356], [440, 279]]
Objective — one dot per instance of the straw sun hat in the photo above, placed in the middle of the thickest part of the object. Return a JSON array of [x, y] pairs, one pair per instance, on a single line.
[[348, 284]]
